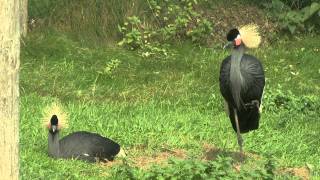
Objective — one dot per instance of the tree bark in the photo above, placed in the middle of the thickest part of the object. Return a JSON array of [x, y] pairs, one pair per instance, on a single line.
[[9, 89], [23, 17]]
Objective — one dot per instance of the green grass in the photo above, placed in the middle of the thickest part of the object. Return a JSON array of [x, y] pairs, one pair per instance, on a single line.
[[149, 105]]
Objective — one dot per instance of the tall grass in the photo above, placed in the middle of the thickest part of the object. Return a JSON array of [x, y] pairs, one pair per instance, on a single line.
[[94, 20]]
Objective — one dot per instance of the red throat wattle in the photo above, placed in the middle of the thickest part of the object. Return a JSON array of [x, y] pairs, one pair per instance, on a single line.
[[237, 42]]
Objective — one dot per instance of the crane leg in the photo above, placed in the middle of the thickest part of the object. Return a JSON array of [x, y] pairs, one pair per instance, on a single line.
[[239, 137], [226, 108]]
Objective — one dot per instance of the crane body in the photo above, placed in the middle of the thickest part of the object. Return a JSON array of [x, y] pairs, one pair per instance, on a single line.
[[242, 81], [82, 145]]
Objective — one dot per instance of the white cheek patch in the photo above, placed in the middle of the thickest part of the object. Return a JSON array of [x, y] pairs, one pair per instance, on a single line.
[[85, 154]]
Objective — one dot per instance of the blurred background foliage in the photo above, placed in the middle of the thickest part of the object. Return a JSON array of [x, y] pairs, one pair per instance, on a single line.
[[136, 23]]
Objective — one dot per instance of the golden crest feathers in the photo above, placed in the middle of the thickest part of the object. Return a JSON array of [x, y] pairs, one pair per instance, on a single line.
[[55, 109], [250, 35]]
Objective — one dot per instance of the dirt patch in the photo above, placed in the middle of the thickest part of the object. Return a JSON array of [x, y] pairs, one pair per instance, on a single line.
[[211, 153], [112, 163], [147, 160], [159, 158], [301, 172], [237, 167]]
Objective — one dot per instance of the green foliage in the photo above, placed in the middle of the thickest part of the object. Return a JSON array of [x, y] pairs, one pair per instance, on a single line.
[[298, 4], [300, 20], [220, 168], [110, 67], [291, 4], [174, 21], [180, 20], [306, 19], [201, 31], [133, 37], [278, 99], [137, 37]]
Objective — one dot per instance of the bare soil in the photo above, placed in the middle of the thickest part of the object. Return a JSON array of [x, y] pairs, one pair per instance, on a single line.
[[302, 172]]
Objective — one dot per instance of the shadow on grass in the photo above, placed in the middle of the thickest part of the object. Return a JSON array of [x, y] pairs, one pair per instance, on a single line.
[[211, 153]]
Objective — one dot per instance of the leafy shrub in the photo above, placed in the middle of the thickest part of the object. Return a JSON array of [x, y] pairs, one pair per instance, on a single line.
[[305, 19], [173, 21], [110, 67], [297, 4], [221, 168], [132, 33], [279, 99], [301, 20], [291, 4], [201, 31]]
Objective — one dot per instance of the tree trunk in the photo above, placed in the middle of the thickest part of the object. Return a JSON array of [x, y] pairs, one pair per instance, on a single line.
[[9, 89], [23, 17]]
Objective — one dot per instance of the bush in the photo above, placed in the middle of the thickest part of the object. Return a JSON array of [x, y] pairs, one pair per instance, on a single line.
[[221, 168], [295, 16], [306, 19], [278, 99], [174, 21]]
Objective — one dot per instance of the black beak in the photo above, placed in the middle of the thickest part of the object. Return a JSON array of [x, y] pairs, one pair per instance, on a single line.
[[228, 45], [54, 128]]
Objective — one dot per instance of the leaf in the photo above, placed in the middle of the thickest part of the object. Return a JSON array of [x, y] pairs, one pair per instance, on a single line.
[[291, 28], [121, 43], [129, 40], [310, 11], [314, 7]]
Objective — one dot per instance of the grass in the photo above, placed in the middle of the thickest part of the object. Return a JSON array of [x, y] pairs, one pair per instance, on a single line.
[[151, 106]]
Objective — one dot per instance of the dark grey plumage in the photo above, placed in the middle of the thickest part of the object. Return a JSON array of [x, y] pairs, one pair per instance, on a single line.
[[248, 87], [242, 83], [90, 147]]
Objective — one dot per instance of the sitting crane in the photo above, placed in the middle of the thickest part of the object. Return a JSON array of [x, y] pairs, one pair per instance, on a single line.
[[82, 145], [242, 81]]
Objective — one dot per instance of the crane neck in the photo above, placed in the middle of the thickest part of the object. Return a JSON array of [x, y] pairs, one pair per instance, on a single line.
[[237, 54], [236, 79], [53, 144]]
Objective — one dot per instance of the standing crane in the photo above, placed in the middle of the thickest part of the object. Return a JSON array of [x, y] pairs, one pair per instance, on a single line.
[[242, 81]]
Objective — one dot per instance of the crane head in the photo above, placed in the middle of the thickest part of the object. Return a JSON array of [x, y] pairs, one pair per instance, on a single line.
[[247, 35], [53, 124], [234, 39], [54, 118]]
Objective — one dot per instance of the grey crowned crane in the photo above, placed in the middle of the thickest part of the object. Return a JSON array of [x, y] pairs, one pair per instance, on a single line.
[[82, 145], [242, 81]]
